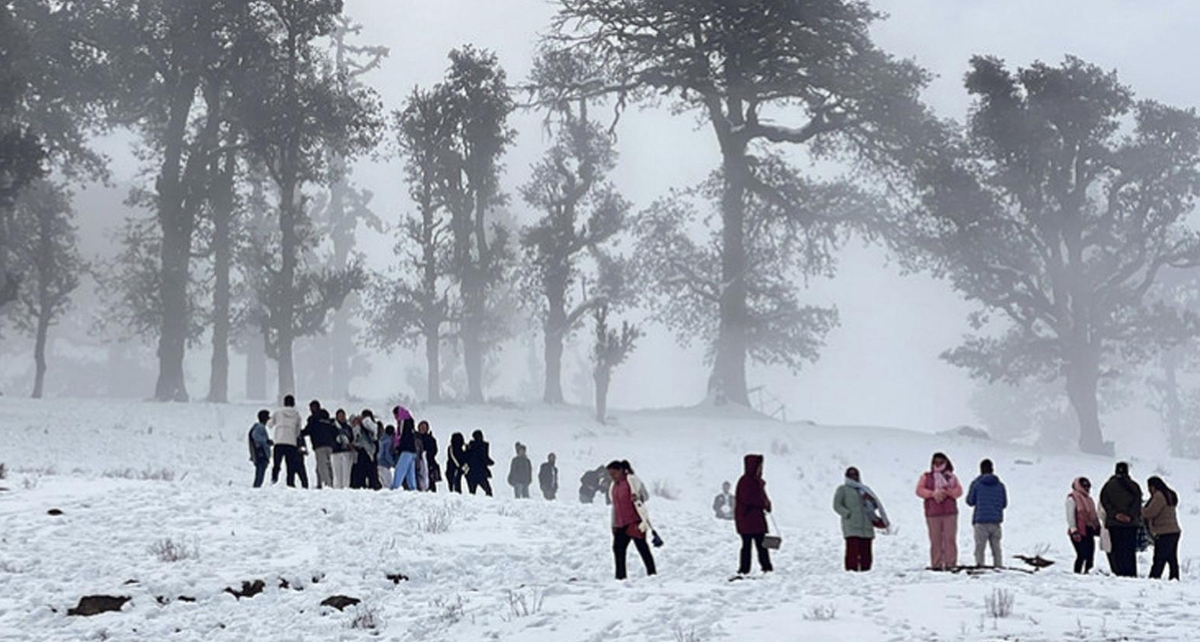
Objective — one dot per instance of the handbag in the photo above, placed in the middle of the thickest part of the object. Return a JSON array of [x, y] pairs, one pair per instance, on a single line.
[[655, 539], [772, 542], [435, 472]]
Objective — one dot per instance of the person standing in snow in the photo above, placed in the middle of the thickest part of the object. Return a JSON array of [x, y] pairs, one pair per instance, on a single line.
[[344, 452], [260, 447], [940, 490], [406, 456], [288, 445], [989, 498], [456, 462], [366, 445], [548, 477], [323, 433], [1121, 498], [861, 513], [1161, 520], [1083, 524], [630, 520], [751, 506], [520, 473], [385, 458], [479, 464], [723, 503], [429, 446]]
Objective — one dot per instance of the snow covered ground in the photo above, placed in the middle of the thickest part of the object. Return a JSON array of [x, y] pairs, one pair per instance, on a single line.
[[531, 570]]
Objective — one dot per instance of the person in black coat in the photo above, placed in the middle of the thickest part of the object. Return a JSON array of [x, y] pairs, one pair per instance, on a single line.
[[456, 462], [548, 477], [479, 463], [323, 433], [429, 447]]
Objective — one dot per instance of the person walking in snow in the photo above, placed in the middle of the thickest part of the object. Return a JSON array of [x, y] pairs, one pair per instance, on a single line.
[[1121, 498], [520, 473], [988, 496], [456, 462], [630, 520], [406, 456], [385, 457], [260, 447], [751, 506], [1161, 520], [548, 477], [861, 513], [344, 452], [723, 503], [940, 489], [289, 446], [479, 464], [1083, 524], [429, 446]]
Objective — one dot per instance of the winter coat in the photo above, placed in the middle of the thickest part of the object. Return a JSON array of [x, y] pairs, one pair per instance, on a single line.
[[407, 441], [365, 440], [287, 423], [456, 460], [321, 431], [344, 442], [1121, 495], [429, 447], [520, 472], [260, 444], [856, 522], [386, 456], [637, 494], [1160, 516], [989, 497], [751, 503], [925, 490], [478, 461], [548, 477]]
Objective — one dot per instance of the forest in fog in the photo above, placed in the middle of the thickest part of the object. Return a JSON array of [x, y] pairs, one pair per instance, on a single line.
[[247, 255]]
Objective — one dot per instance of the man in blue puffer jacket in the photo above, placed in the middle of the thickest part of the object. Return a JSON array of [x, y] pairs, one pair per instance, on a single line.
[[989, 498]]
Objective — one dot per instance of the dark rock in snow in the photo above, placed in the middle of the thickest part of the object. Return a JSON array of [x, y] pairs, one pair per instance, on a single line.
[[54, 512], [95, 604], [340, 602], [249, 589], [396, 578]]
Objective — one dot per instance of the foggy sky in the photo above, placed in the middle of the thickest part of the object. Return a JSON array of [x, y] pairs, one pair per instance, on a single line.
[[881, 366]]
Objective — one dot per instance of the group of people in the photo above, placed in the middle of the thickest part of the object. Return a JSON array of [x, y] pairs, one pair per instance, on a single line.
[[360, 451]]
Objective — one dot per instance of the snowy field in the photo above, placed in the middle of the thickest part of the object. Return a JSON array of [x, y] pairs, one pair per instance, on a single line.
[[531, 570]]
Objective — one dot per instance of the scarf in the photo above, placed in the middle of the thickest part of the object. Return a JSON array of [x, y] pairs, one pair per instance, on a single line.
[[1085, 509], [941, 478], [870, 501]]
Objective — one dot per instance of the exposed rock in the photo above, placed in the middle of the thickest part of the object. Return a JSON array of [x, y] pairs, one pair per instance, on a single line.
[[54, 512], [340, 602], [396, 578], [249, 589], [96, 604]]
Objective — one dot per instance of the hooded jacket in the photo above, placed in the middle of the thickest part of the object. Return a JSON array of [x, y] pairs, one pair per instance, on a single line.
[[751, 503], [322, 431], [989, 497], [286, 422], [1121, 496]]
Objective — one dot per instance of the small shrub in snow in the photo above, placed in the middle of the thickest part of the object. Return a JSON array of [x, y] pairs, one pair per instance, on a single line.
[[821, 613], [149, 474], [168, 550], [3, 472], [30, 483], [450, 611], [686, 635], [999, 604], [437, 520], [662, 488], [366, 618], [522, 604]]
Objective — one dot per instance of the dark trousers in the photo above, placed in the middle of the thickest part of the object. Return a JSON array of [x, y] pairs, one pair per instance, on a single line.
[[764, 556], [295, 465], [1085, 553], [1124, 551], [454, 478], [260, 470], [1166, 553], [621, 541], [521, 491], [858, 553], [360, 473], [476, 485]]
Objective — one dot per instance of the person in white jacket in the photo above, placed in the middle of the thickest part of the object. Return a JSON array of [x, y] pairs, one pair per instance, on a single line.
[[630, 520], [286, 422]]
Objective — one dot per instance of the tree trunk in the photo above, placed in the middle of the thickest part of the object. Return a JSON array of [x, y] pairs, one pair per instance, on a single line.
[[256, 367], [39, 348], [555, 330], [1173, 412], [602, 377], [222, 212], [286, 323], [473, 359], [433, 362], [727, 384], [1083, 379]]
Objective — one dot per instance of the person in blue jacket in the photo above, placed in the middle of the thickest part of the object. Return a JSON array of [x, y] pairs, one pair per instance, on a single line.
[[990, 498], [260, 447]]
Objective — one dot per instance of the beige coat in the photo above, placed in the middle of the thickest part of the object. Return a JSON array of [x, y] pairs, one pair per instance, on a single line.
[[1160, 516]]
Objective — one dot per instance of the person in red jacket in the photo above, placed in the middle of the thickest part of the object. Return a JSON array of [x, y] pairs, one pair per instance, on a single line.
[[751, 506], [940, 489]]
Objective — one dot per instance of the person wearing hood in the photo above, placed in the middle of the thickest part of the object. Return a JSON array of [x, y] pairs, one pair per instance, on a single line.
[[1121, 498], [861, 513], [1083, 524], [940, 489], [479, 464], [751, 506], [1163, 524], [288, 447], [406, 456], [988, 496], [520, 473]]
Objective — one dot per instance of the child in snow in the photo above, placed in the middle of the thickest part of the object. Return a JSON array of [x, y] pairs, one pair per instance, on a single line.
[[1161, 520], [630, 521], [548, 477], [940, 489], [750, 514], [861, 513], [520, 473], [260, 447], [723, 503], [1083, 524], [989, 498]]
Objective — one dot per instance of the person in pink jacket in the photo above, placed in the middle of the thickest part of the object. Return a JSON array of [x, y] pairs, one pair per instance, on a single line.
[[940, 489]]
